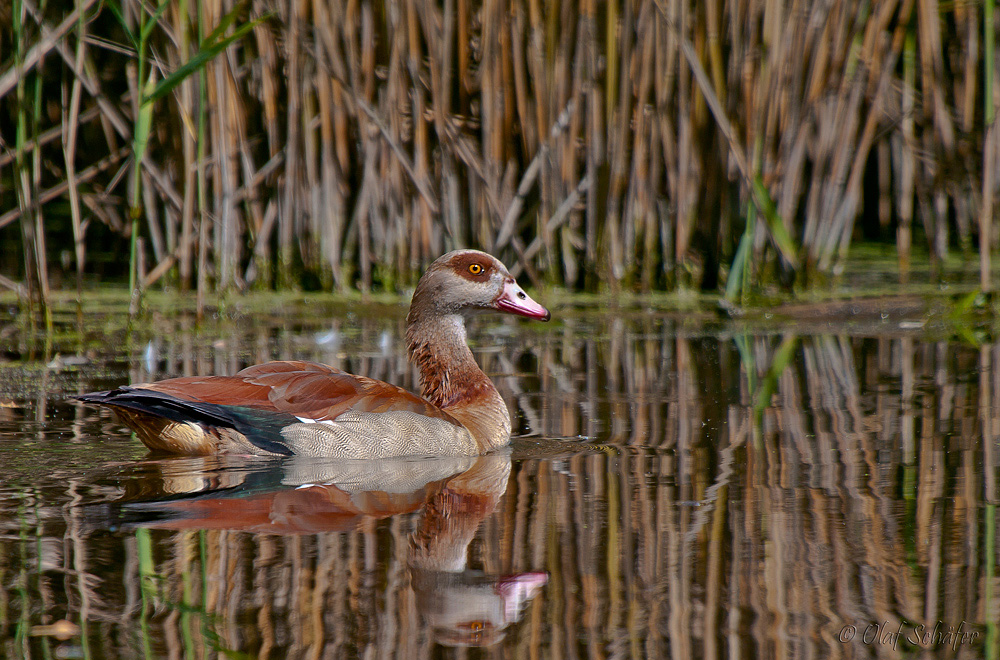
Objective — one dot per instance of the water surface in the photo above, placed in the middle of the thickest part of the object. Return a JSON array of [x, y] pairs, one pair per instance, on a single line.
[[678, 487]]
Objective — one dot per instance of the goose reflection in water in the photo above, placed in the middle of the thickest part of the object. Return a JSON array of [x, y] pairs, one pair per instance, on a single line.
[[461, 606]]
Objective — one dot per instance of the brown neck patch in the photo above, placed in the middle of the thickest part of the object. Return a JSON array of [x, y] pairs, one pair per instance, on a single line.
[[449, 374]]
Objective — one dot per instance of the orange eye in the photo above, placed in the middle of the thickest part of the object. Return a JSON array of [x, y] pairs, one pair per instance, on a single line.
[[475, 269]]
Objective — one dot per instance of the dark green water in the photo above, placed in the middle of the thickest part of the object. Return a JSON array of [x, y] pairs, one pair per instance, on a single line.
[[678, 487]]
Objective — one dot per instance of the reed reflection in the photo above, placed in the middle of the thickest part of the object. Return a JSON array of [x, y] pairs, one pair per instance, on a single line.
[[689, 492]]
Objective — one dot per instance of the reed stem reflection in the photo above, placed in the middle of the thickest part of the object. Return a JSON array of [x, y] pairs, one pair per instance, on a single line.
[[637, 485]]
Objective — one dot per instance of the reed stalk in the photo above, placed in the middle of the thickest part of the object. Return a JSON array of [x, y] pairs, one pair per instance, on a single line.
[[28, 183], [187, 108], [20, 140], [38, 213], [142, 111], [991, 152], [71, 124], [354, 143], [202, 190]]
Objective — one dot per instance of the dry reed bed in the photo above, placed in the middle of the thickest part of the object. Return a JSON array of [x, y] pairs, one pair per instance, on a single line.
[[614, 142], [863, 495]]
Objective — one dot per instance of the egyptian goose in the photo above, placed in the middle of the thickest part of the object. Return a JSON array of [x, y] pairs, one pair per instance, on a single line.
[[311, 409]]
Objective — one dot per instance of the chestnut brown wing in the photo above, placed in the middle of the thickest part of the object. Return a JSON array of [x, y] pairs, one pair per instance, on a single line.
[[305, 390]]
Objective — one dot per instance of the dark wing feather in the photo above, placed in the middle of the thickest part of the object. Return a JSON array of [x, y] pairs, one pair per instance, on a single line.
[[262, 428]]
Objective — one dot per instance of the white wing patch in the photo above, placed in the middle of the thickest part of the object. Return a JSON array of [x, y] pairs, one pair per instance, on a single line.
[[380, 435]]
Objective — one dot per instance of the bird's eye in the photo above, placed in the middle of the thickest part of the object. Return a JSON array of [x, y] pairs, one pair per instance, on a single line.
[[475, 269]]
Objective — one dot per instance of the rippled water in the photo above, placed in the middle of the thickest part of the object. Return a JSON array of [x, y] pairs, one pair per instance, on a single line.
[[679, 487]]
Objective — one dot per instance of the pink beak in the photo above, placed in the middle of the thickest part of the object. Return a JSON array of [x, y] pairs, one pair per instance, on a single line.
[[513, 299]]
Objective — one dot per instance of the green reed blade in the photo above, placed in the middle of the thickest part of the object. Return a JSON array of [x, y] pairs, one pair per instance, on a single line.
[[116, 10], [209, 50], [782, 239], [153, 21]]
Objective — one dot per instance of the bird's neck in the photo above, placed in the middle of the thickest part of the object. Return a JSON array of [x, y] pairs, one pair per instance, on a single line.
[[452, 381]]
